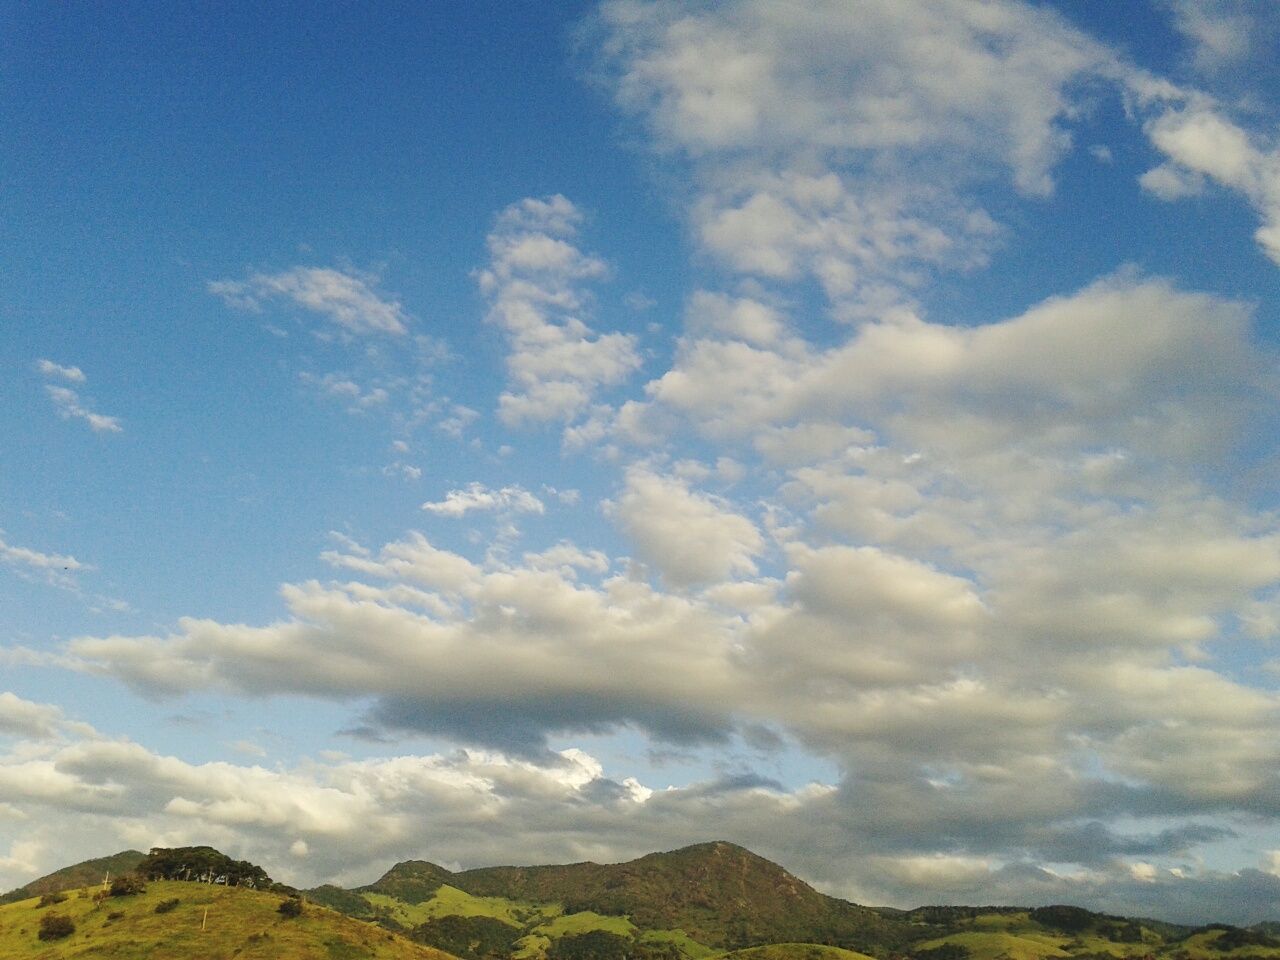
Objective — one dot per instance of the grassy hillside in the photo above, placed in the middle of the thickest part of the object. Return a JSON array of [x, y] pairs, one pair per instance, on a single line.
[[713, 901], [719, 894], [79, 875], [237, 922], [697, 902], [794, 951], [717, 900]]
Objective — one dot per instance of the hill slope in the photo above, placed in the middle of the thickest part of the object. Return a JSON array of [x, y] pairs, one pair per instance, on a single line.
[[717, 893], [78, 875], [236, 921]]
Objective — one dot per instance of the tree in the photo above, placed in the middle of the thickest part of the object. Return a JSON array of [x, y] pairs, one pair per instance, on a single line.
[[127, 885], [55, 926]]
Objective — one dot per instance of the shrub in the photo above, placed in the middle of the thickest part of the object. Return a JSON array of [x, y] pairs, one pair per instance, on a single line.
[[944, 951], [1062, 917], [164, 906], [127, 885], [468, 937], [291, 907], [49, 899], [115, 915], [55, 926]]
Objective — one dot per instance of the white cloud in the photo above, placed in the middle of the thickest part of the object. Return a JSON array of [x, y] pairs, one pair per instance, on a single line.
[[69, 406], [53, 568], [513, 499], [689, 537], [533, 283], [1221, 31], [346, 299], [50, 369], [1201, 142], [33, 721], [812, 132]]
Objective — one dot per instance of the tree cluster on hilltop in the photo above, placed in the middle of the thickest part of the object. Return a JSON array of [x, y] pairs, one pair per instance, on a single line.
[[203, 865]]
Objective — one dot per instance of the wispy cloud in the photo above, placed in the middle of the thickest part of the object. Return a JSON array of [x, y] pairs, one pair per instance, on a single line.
[[346, 299], [477, 496], [50, 369], [53, 568], [70, 406], [68, 402]]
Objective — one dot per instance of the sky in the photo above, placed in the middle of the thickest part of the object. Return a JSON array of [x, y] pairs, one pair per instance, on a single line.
[[515, 432]]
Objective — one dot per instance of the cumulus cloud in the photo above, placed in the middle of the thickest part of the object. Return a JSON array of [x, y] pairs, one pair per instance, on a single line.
[[31, 721], [689, 537], [1202, 143], [345, 821], [812, 133], [534, 283], [349, 301]]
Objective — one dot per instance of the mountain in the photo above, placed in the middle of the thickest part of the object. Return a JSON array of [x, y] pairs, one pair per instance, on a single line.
[[719, 893], [78, 875]]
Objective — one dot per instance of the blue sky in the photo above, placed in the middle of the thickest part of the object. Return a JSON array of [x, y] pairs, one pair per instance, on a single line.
[[479, 431]]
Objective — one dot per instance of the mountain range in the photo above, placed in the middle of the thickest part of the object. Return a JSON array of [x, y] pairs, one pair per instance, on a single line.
[[700, 902]]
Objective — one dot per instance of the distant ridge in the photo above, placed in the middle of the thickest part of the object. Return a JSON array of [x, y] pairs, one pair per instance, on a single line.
[[81, 874]]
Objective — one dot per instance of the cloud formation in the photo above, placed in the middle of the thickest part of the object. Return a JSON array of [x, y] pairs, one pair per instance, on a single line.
[[534, 284], [347, 300], [68, 402]]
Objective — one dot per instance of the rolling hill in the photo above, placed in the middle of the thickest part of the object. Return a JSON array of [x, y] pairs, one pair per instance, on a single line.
[[207, 922], [78, 875], [711, 901]]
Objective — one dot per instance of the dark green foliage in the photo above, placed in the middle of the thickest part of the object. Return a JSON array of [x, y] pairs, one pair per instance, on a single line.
[[413, 881], [1130, 932], [1065, 918], [49, 899], [594, 945], [474, 938], [115, 915], [165, 906], [128, 885], [1234, 938], [203, 864], [55, 926], [291, 907], [946, 951], [344, 901], [945, 915]]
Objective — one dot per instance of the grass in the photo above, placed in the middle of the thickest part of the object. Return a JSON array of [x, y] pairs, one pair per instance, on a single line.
[[568, 924], [451, 902], [242, 923], [1199, 946], [688, 946], [794, 951], [989, 944]]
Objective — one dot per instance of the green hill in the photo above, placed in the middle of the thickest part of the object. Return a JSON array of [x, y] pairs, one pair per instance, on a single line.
[[794, 951], [712, 901], [712, 896], [207, 922], [78, 875], [718, 893]]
